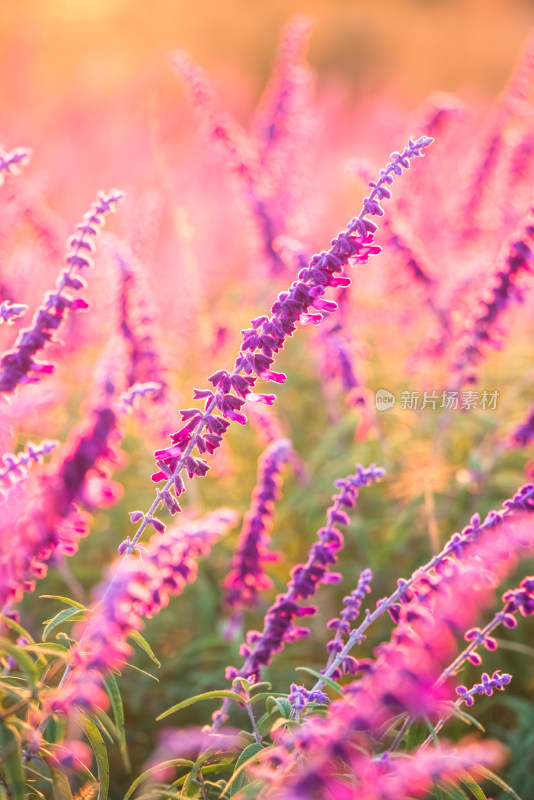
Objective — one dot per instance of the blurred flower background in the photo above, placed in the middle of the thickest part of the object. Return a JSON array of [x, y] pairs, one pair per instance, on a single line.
[[89, 86]]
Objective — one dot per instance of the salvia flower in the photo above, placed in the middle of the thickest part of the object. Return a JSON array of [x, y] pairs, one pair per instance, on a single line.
[[523, 435], [481, 330], [140, 588], [497, 681], [12, 162], [403, 678], [137, 325], [283, 128], [424, 581], [279, 626], [489, 146], [356, 772], [343, 624], [15, 465], [520, 599], [300, 697], [9, 312], [18, 365], [149, 389], [304, 303], [277, 113], [50, 521], [247, 577], [239, 152]]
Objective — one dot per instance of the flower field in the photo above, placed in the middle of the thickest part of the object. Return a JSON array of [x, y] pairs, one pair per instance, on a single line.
[[267, 401]]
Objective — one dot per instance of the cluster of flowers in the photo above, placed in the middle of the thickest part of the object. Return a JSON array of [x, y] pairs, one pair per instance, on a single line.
[[279, 626], [404, 678], [303, 303], [15, 466], [264, 163], [516, 259], [247, 577], [50, 521], [18, 365], [410, 677], [497, 681], [140, 588], [12, 162], [137, 327]]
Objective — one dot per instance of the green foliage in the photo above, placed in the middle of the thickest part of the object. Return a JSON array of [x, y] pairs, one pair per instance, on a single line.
[[93, 733]]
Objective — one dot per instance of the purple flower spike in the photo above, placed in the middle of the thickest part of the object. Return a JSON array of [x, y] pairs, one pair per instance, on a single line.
[[11, 163], [342, 625], [18, 366], [524, 433], [239, 154], [300, 697], [267, 337], [141, 589], [247, 577], [14, 466], [48, 520], [516, 258], [521, 599], [150, 389], [497, 681], [10, 311], [138, 329], [305, 579]]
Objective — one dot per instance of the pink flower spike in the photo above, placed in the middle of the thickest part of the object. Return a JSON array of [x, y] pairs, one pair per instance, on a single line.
[[266, 399]]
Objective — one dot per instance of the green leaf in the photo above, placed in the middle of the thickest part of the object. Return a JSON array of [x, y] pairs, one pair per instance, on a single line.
[[284, 706], [216, 694], [488, 775], [328, 681], [17, 692], [49, 649], [266, 722], [17, 627], [199, 763], [468, 719], [473, 787], [113, 693], [105, 725], [261, 685], [142, 672], [62, 616], [60, 785], [12, 762], [247, 757], [144, 645], [67, 600], [431, 730], [23, 660], [56, 729], [449, 793], [270, 705], [174, 762], [159, 791], [266, 695], [247, 753], [243, 682], [99, 749], [518, 647]]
